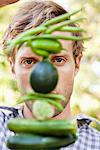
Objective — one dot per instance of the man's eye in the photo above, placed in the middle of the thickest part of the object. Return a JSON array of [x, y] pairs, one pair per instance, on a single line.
[[28, 62], [59, 61]]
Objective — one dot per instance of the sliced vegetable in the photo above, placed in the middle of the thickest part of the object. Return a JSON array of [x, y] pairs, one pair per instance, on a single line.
[[42, 110]]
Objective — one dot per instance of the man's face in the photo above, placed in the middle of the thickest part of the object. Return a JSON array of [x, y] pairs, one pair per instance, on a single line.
[[25, 60]]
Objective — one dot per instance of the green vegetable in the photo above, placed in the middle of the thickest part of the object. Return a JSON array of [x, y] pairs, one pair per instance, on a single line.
[[42, 110], [41, 52], [46, 127], [58, 37], [36, 142], [48, 95], [60, 18], [49, 45], [44, 77], [46, 28], [37, 96], [56, 104], [16, 41], [33, 98], [63, 24], [72, 29]]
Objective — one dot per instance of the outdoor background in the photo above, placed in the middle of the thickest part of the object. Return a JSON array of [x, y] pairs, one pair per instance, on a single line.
[[86, 95]]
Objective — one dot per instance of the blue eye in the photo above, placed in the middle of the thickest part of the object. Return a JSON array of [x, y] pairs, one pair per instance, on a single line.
[[59, 61], [29, 61]]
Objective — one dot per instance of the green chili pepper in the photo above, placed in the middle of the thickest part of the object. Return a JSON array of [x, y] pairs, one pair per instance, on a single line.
[[49, 45]]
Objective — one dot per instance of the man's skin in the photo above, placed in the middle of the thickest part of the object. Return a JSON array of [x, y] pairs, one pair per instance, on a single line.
[[67, 70], [7, 2]]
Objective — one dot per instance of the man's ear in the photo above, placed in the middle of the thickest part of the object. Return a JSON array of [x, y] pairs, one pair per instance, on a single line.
[[77, 63], [12, 66]]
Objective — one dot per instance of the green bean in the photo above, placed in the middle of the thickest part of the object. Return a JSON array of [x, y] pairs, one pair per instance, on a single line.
[[24, 99], [71, 29], [32, 98], [27, 38], [51, 96], [73, 38], [60, 18], [26, 33], [56, 104], [64, 23]]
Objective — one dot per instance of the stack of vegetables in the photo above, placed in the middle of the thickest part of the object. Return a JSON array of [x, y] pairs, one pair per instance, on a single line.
[[44, 133]]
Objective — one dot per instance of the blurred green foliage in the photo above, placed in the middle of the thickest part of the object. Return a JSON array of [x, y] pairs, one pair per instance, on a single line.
[[86, 95]]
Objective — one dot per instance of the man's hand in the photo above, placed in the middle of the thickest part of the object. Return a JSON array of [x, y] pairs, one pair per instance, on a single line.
[[7, 2]]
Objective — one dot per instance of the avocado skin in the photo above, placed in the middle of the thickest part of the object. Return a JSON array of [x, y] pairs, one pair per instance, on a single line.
[[44, 77]]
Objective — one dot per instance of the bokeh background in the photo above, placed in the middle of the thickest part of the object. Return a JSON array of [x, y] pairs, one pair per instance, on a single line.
[[86, 95]]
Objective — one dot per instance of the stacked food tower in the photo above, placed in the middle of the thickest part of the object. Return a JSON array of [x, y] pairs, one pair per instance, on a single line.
[[43, 132]]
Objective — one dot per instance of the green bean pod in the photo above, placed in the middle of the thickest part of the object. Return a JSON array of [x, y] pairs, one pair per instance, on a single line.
[[48, 95], [71, 29], [56, 104], [62, 37], [61, 18], [16, 41], [63, 24], [32, 98]]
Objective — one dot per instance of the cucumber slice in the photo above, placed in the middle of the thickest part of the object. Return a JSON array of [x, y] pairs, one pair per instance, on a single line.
[[42, 110]]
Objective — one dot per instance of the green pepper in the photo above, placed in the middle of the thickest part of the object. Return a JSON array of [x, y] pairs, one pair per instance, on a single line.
[[49, 45], [41, 52]]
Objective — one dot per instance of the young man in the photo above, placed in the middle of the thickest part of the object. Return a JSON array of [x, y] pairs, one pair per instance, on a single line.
[[67, 63]]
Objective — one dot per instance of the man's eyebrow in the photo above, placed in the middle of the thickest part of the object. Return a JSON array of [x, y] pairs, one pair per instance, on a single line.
[[63, 53], [29, 57]]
